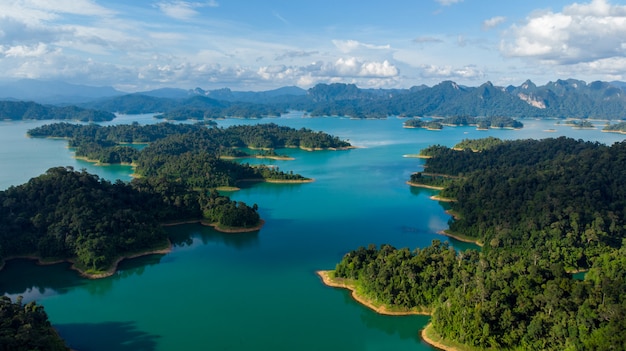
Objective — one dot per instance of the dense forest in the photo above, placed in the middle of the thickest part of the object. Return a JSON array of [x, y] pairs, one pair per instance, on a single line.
[[18, 110], [25, 327], [457, 121], [542, 209], [195, 107], [71, 215], [191, 153]]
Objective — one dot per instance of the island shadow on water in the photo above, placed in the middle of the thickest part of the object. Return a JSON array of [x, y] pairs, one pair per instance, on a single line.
[[27, 278], [186, 234], [122, 336]]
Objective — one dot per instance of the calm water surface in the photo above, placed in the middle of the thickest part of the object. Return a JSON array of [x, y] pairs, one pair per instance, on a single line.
[[256, 291]]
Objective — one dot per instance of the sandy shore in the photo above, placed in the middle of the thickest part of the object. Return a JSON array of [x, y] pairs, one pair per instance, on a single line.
[[436, 340], [442, 199], [459, 238], [418, 185], [342, 283]]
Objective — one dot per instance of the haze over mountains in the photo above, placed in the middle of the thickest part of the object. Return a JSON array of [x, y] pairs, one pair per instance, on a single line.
[[569, 98]]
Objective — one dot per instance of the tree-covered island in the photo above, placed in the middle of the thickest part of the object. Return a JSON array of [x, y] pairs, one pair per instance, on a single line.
[[68, 215], [461, 121], [543, 209], [197, 154]]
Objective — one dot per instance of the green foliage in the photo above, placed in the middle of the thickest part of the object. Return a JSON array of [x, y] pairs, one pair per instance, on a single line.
[[563, 195], [66, 214], [478, 144], [189, 153], [26, 327], [617, 127], [541, 208], [18, 110]]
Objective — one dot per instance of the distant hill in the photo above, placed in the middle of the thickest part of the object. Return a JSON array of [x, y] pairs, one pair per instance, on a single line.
[[53, 92], [281, 95], [20, 110], [568, 98]]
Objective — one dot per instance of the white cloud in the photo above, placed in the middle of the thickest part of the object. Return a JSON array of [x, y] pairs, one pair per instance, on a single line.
[[347, 46], [352, 67], [448, 72], [448, 2], [24, 51], [493, 22], [183, 10], [579, 33]]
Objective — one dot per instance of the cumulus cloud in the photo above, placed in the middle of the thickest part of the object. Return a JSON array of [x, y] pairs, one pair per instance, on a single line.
[[37, 50], [353, 67], [493, 22], [448, 72], [347, 46], [579, 33], [183, 10]]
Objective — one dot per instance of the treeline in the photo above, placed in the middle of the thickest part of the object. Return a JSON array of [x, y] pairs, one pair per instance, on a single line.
[[189, 153], [478, 144], [542, 209], [122, 133], [499, 299], [196, 107], [564, 195], [67, 214], [479, 122], [238, 110], [19, 110], [617, 127], [25, 327]]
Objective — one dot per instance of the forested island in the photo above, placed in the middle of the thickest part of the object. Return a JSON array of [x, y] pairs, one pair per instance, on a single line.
[[616, 128], [19, 110], [543, 210], [478, 122], [69, 215], [195, 153]]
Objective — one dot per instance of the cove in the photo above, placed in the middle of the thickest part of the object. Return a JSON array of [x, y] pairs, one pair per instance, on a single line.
[[256, 290]]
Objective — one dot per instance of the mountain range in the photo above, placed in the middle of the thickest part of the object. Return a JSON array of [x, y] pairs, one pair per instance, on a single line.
[[569, 98]]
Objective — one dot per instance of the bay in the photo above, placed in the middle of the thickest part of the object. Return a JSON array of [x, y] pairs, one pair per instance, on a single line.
[[256, 290]]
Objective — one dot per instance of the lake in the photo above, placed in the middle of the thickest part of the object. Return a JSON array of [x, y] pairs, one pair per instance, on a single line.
[[256, 291]]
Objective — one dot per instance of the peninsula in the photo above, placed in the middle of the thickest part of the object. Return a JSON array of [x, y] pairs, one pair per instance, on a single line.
[[542, 210]]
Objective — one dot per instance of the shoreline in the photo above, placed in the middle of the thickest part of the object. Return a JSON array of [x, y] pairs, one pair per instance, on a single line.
[[114, 266], [427, 335], [382, 309], [216, 227], [442, 199], [109, 272], [277, 158], [418, 185], [460, 238]]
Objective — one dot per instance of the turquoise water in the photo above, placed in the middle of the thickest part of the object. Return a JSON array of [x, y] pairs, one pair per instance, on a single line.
[[256, 291]]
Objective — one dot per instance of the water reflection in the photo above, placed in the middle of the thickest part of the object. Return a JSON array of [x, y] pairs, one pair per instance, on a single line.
[[121, 336], [24, 277], [391, 325], [189, 234]]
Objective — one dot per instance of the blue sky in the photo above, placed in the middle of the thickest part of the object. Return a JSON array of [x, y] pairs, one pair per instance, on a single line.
[[265, 44]]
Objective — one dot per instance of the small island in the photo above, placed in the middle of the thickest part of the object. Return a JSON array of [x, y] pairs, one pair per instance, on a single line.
[[481, 123]]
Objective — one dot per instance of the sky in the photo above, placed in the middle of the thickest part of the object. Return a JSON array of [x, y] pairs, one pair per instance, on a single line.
[[254, 45]]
